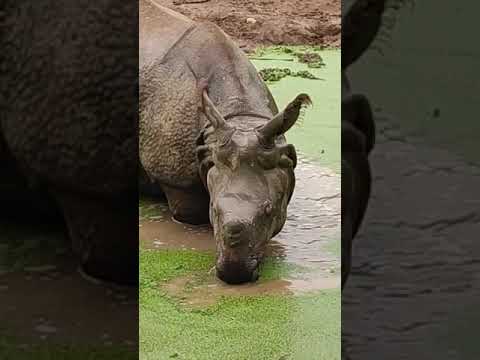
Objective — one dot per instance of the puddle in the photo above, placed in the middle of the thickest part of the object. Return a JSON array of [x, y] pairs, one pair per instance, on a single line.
[[197, 291], [306, 240], [45, 298]]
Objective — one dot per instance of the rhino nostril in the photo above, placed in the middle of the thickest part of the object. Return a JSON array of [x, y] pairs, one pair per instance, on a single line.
[[233, 234], [234, 229], [233, 242]]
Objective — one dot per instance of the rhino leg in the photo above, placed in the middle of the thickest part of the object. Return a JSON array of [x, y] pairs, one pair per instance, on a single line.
[[103, 234], [188, 205], [18, 195], [149, 187]]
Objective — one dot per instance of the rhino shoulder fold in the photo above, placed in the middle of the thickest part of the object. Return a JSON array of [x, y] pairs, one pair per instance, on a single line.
[[160, 29]]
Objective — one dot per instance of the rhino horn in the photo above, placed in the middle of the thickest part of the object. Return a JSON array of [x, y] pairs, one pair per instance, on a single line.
[[212, 113], [284, 120]]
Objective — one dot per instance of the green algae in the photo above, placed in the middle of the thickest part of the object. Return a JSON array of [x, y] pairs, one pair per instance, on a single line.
[[250, 327], [163, 265], [270, 75]]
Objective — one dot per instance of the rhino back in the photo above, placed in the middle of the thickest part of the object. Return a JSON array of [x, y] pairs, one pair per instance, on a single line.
[[159, 30], [170, 100], [69, 97]]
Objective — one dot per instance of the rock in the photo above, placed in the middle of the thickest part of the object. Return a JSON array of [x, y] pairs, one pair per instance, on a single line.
[[251, 20]]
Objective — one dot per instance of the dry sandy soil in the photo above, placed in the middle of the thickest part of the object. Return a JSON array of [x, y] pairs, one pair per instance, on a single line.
[[269, 22]]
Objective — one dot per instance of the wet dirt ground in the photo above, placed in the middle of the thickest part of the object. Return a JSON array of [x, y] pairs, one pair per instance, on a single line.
[[270, 22]]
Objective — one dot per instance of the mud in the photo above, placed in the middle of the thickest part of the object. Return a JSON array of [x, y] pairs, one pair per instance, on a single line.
[[271, 22], [196, 291], [308, 239], [45, 299], [166, 233]]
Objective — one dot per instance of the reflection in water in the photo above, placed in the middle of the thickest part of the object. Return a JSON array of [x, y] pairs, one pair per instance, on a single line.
[[308, 239]]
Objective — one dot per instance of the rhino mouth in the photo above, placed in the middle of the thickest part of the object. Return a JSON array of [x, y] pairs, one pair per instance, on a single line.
[[238, 272], [240, 249]]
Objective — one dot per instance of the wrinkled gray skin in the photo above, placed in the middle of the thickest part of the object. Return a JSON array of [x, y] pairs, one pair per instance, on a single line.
[[211, 137], [68, 124]]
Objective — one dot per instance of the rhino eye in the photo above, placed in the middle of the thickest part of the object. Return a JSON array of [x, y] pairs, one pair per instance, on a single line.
[[266, 144], [267, 208]]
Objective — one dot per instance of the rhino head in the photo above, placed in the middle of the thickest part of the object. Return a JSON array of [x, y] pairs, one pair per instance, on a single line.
[[249, 174]]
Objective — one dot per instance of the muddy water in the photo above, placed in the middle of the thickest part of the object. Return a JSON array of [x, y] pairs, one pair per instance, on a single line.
[[415, 278], [414, 288], [309, 239], [45, 299], [203, 291]]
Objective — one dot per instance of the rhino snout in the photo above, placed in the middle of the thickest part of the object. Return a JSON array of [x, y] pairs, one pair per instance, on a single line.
[[237, 272], [234, 234]]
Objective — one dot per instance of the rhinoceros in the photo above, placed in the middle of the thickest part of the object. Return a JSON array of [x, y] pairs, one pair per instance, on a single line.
[[68, 124], [212, 137]]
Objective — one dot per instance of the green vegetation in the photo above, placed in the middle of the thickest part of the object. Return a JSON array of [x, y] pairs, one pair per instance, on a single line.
[[26, 246], [276, 74], [250, 327], [33, 247]]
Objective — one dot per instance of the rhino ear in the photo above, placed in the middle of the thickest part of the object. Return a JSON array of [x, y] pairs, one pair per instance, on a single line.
[[288, 157], [211, 112], [284, 120]]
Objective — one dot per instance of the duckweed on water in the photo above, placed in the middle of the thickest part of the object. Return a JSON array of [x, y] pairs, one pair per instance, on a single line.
[[276, 74], [252, 327], [305, 55], [312, 59]]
